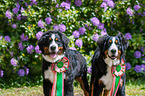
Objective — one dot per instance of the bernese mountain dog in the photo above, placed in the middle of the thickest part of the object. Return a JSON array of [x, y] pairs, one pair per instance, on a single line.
[[54, 46], [110, 51]]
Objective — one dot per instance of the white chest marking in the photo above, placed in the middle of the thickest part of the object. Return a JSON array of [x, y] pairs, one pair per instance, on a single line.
[[48, 74], [107, 79]]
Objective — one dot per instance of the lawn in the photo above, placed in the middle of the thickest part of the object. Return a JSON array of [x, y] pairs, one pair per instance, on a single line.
[[136, 88]]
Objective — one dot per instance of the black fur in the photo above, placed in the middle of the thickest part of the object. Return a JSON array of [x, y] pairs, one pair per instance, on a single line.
[[77, 66], [99, 67]]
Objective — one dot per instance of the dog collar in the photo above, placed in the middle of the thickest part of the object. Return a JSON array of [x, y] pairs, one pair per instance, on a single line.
[[117, 71], [58, 68]]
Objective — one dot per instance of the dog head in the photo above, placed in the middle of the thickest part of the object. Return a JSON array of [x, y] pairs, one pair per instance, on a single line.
[[53, 44], [113, 48]]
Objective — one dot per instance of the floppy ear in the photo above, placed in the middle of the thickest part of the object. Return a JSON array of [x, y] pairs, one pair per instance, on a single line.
[[42, 41], [123, 41], [65, 41], [102, 42]]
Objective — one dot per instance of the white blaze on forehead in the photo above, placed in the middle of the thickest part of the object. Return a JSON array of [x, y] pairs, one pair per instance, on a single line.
[[53, 43], [113, 46]]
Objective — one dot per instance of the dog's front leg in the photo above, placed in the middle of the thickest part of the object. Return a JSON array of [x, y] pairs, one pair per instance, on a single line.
[[47, 86], [68, 88]]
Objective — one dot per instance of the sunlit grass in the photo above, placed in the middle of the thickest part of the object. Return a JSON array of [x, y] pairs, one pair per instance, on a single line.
[[133, 88]]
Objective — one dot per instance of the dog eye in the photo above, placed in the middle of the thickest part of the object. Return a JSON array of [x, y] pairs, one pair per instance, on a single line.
[[110, 41], [56, 39], [50, 38], [116, 41]]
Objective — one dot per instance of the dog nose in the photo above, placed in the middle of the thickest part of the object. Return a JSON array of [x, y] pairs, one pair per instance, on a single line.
[[113, 51], [53, 48]]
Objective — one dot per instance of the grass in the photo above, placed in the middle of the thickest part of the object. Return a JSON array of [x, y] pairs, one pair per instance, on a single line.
[[133, 88]]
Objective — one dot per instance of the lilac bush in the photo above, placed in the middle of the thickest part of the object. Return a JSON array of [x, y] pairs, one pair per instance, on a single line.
[[23, 22]]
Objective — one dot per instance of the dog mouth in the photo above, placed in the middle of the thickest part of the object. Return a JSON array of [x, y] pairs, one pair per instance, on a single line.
[[112, 57], [53, 55]]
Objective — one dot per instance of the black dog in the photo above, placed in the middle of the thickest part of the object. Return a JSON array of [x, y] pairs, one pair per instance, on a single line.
[[110, 51], [54, 46]]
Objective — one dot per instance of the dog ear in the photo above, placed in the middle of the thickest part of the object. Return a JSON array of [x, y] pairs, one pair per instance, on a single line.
[[65, 40], [102, 42], [42, 41], [124, 41]]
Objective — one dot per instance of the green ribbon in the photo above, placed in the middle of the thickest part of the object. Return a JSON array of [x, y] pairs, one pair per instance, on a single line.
[[59, 84]]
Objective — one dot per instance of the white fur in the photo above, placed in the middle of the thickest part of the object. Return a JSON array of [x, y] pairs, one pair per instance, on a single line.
[[49, 59], [53, 43], [107, 79], [113, 46], [111, 62], [48, 74]]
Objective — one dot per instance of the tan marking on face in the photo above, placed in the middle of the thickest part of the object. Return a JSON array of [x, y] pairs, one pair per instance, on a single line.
[[46, 50], [119, 54], [106, 53]]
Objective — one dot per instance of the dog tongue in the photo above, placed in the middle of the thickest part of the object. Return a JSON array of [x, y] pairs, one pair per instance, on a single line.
[[53, 55]]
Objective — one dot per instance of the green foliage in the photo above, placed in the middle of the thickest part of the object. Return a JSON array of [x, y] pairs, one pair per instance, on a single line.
[[114, 20]]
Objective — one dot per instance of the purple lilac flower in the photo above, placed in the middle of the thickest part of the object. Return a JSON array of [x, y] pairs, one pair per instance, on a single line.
[[26, 70], [82, 30], [96, 37], [15, 10], [39, 34], [104, 32], [1, 73], [21, 72], [101, 26], [136, 7], [128, 36], [72, 48], [18, 5], [111, 4], [41, 24], [128, 66], [86, 25], [14, 62], [66, 5], [37, 49], [105, 0], [22, 9], [137, 68], [137, 54], [14, 26], [55, 27], [95, 21], [24, 38], [8, 14], [90, 70], [62, 28], [76, 34], [48, 20], [143, 59], [142, 49], [33, 2], [20, 46], [29, 49], [78, 2], [12, 54], [57, 5], [142, 67], [79, 42], [129, 11], [7, 38], [103, 5], [19, 17], [1, 37]]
